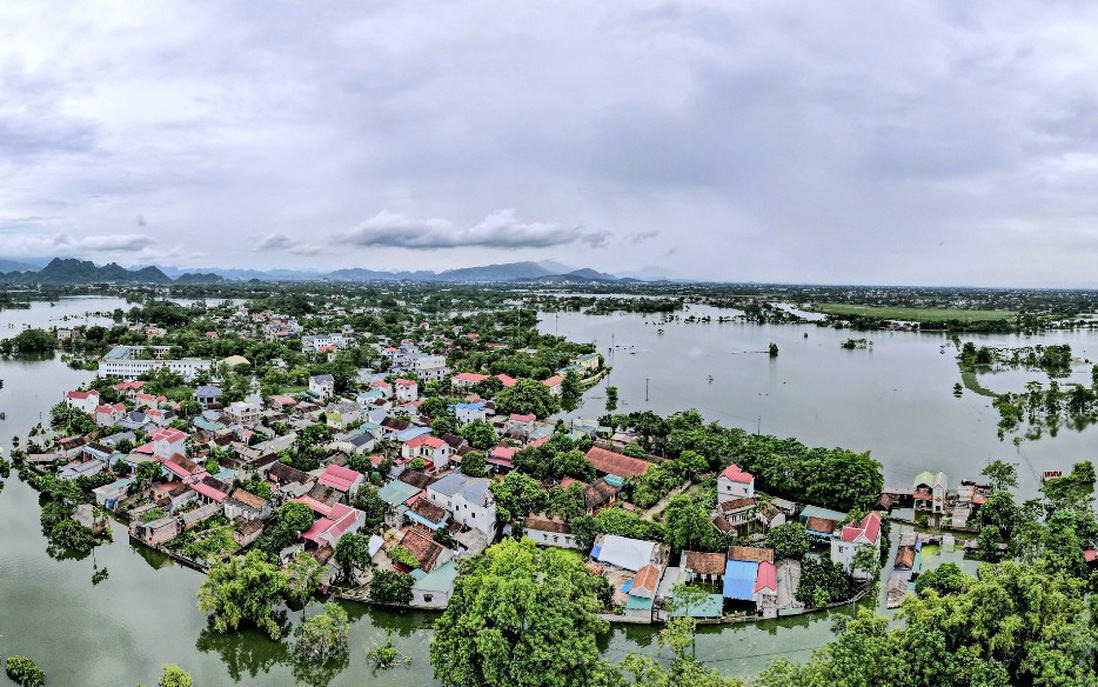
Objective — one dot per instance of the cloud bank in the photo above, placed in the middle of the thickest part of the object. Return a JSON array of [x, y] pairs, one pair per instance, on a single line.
[[499, 230], [930, 142]]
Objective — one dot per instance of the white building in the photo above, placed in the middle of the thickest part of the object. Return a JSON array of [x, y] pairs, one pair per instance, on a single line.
[[468, 500], [243, 413], [548, 531], [168, 442], [84, 401], [844, 544], [406, 390], [128, 362], [467, 412], [735, 484], [322, 386]]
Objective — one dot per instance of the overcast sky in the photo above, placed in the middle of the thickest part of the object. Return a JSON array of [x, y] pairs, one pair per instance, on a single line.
[[851, 142]]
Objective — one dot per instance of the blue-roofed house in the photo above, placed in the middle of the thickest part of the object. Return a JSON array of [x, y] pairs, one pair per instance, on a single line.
[[468, 412], [739, 580], [411, 433]]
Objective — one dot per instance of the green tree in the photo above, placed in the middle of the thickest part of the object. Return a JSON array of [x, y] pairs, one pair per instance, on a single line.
[[243, 588], [571, 391], [295, 516], [527, 396], [945, 579], [390, 587], [480, 435], [367, 501], [687, 525], [1001, 475], [324, 636], [474, 464], [24, 672], [517, 496], [520, 615], [303, 576], [173, 676], [988, 540], [611, 398], [352, 552], [309, 446], [789, 540], [1083, 472]]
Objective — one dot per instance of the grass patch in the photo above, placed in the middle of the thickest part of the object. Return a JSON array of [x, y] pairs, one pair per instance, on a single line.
[[915, 314], [972, 383]]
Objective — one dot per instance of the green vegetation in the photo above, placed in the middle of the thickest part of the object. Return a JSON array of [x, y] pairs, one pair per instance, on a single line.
[[323, 637], [389, 587], [520, 615], [243, 588], [174, 676], [384, 655], [915, 314], [24, 672], [834, 478], [29, 342], [789, 540]]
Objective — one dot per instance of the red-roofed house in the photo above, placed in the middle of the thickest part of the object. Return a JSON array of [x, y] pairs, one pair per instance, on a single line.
[[501, 457], [555, 384], [465, 379], [84, 401], [406, 390], [384, 387], [428, 447], [506, 380], [610, 463], [734, 484], [766, 586], [211, 490], [521, 425], [168, 442], [143, 400], [845, 543], [105, 416], [343, 480], [340, 520]]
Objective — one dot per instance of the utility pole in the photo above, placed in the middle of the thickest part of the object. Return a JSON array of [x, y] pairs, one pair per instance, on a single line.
[[646, 389]]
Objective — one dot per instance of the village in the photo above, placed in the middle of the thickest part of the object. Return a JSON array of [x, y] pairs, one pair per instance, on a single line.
[[399, 472]]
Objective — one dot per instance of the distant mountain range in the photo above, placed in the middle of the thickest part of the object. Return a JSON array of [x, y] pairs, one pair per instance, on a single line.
[[75, 271]]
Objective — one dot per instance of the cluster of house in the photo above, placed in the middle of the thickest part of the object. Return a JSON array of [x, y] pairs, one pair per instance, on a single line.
[[424, 490], [744, 578]]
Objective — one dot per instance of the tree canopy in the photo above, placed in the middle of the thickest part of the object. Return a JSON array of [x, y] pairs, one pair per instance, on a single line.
[[520, 615]]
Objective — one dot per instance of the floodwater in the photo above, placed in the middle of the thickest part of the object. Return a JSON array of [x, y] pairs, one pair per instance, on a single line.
[[894, 399], [114, 617]]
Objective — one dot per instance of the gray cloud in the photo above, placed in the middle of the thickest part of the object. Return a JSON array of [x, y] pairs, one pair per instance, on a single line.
[[280, 242], [114, 243], [270, 242], [828, 142], [501, 229]]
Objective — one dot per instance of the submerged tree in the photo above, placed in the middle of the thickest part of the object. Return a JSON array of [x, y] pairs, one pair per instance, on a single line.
[[243, 588]]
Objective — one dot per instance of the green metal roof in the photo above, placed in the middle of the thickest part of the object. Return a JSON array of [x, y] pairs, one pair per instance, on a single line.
[[441, 579]]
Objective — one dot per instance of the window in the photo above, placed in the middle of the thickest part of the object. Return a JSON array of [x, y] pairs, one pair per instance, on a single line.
[[427, 598]]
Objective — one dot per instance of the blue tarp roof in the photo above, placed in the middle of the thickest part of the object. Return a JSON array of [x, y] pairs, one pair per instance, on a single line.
[[739, 580], [596, 550], [627, 586]]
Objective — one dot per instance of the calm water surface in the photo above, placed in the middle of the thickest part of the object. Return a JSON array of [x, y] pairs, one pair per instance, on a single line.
[[895, 400]]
